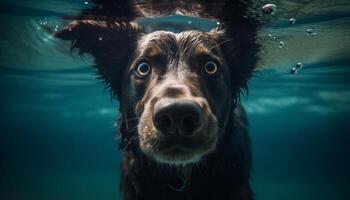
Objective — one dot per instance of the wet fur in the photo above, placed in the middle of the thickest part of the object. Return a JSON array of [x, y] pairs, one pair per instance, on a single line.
[[223, 173]]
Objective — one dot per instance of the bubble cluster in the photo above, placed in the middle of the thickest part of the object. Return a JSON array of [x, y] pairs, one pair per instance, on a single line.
[[298, 66], [44, 22], [270, 36], [311, 32], [269, 9]]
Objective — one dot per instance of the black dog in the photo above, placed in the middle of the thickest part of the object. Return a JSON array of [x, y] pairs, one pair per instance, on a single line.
[[184, 134]]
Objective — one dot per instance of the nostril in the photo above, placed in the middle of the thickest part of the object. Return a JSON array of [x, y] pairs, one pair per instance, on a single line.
[[190, 123], [164, 122]]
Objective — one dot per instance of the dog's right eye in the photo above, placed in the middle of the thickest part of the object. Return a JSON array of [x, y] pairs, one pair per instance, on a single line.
[[143, 69]]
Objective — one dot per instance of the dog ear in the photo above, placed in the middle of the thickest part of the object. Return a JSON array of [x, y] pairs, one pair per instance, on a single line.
[[239, 23], [238, 44], [111, 43]]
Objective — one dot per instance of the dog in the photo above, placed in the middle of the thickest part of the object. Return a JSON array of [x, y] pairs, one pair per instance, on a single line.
[[184, 134]]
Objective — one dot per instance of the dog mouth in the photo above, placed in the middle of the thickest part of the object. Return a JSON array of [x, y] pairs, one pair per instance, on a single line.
[[177, 156], [180, 151]]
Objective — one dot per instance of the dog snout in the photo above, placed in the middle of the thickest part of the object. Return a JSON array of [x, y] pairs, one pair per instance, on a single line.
[[177, 117]]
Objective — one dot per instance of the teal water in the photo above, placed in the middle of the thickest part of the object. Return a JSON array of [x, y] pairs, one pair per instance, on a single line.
[[58, 140]]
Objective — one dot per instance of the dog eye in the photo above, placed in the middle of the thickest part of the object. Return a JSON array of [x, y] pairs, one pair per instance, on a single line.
[[143, 69], [211, 67]]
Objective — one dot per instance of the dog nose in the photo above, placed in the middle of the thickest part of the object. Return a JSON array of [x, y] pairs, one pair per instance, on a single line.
[[177, 117]]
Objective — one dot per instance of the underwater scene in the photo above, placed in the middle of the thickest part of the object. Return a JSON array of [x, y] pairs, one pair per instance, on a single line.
[[58, 139]]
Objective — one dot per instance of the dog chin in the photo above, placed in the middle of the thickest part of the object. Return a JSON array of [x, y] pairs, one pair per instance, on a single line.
[[177, 160]]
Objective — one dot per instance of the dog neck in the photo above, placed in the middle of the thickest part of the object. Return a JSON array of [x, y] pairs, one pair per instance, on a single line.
[[182, 180]]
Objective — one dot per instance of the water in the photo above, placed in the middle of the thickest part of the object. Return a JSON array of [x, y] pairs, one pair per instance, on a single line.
[[57, 134]]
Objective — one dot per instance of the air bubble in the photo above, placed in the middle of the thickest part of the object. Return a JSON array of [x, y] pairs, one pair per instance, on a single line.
[[189, 22], [299, 65], [293, 70], [292, 20], [269, 36], [269, 8], [86, 2], [100, 38], [281, 44]]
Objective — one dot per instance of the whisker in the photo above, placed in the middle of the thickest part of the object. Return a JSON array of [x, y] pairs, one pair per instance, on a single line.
[[131, 140], [132, 128], [128, 120], [223, 42], [205, 163], [221, 129], [198, 165], [202, 163]]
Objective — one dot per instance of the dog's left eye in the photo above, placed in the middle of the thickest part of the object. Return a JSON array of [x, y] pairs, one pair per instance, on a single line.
[[210, 67], [143, 69]]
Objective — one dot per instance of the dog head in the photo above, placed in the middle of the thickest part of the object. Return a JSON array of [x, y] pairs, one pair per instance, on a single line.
[[176, 90]]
